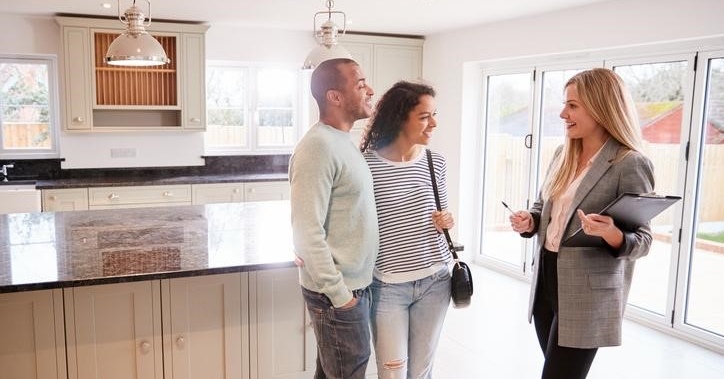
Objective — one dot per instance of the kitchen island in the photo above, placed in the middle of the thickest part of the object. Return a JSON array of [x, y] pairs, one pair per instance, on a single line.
[[167, 292]]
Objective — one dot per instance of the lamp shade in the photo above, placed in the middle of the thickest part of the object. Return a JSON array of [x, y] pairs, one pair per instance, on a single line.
[[322, 53], [136, 49]]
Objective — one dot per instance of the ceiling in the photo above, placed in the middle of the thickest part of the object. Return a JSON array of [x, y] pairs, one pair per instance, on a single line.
[[415, 17]]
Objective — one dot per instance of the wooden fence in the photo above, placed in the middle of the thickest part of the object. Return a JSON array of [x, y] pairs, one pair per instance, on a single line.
[[507, 162], [24, 136]]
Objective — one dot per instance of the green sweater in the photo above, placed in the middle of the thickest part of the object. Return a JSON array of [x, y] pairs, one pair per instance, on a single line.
[[334, 219]]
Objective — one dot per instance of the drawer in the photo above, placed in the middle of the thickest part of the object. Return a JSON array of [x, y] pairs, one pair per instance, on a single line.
[[138, 195]]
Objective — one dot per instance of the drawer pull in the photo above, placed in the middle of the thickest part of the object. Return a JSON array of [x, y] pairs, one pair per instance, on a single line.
[[78, 119], [114, 196], [180, 342], [195, 120], [167, 194], [53, 197], [145, 347]]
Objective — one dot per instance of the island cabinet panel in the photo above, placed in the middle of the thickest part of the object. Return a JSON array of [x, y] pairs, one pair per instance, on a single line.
[[206, 327], [114, 331], [281, 331], [31, 331]]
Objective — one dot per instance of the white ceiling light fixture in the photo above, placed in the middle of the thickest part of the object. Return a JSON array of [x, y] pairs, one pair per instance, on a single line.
[[135, 47], [327, 37]]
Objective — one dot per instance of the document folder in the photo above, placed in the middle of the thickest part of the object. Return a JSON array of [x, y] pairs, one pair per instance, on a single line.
[[629, 211]]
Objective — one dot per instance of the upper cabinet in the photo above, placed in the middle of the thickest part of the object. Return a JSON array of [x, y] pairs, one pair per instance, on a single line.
[[100, 97], [385, 61]]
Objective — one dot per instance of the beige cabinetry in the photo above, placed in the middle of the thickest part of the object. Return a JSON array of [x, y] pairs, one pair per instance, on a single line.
[[71, 199], [284, 339], [114, 331], [234, 326], [385, 61], [206, 327], [239, 192], [33, 340], [100, 97], [138, 196]]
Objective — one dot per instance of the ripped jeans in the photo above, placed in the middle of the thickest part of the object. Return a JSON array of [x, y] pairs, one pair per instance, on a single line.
[[407, 319]]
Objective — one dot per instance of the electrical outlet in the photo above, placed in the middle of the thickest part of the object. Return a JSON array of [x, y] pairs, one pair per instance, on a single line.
[[123, 153]]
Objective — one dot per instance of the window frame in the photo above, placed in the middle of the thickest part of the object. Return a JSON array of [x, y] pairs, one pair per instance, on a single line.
[[51, 62], [251, 116]]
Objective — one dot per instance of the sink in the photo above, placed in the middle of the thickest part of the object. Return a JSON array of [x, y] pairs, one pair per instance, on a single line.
[[19, 198]]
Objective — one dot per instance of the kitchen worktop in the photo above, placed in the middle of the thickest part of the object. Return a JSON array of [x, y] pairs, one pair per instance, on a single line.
[[119, 181], [68, 249]]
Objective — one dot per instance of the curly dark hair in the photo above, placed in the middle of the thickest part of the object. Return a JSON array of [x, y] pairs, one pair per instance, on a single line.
[[391, 112]]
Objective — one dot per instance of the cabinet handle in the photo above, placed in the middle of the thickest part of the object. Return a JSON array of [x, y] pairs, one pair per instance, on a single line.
[[53, 197], [145, 347], [77, 119], [252, 190], [167, 194], [195, 120], [236, 190], [180, 342], [114, 196]]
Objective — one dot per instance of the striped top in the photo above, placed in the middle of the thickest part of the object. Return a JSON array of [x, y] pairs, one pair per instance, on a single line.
[[410, 247]]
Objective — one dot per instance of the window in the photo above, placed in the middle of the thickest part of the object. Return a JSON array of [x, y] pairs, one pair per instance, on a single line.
[[251, 108], [28, 107]]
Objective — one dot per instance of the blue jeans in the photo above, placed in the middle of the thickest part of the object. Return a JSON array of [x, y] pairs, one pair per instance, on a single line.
[[407, 319], [343, 335]]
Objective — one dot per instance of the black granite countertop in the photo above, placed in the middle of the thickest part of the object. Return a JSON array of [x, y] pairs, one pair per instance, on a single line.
[[67, 249], [120, 181]]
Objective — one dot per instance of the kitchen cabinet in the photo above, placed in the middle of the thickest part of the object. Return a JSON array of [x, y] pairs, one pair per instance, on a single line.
[[234, 326], [239, 192], [113, 331], [33, 340], [281, 332], [384, 61], [99, 97], [138, 196], [206, 326], [70, 199]]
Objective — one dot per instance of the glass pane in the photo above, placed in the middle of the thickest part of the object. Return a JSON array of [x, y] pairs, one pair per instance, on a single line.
[[276, 91], [705, 299], [226, 108], [24, 103], [506, 164], [552, 131], [658, 92]]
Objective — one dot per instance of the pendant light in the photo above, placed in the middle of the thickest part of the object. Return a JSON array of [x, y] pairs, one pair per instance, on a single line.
[[327, 38], [135, 47]]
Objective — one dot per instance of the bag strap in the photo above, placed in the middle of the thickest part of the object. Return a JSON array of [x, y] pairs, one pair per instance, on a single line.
[[437, 203]]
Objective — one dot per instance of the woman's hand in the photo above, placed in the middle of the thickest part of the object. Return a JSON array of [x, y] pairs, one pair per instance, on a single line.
[[442, 220], [594, 224], [521, 222]]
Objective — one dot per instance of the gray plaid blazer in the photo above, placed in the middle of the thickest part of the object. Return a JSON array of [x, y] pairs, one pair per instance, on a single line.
[[594, 281]]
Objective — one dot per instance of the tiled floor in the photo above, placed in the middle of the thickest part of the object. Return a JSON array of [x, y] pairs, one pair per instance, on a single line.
[[492, 339]]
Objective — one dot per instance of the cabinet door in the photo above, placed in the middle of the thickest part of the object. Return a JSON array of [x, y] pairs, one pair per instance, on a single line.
[[284, 340], [206, 324], [76, 53], [217, 193], [73, 199], [266, 191], [33, 343], [114, 331], [194, 82], [394, 63]]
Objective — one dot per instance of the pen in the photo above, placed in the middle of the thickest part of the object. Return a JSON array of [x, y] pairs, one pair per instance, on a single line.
[[507, 207]]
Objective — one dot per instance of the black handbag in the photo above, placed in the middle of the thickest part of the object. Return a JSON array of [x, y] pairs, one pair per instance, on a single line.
[[461, 285]]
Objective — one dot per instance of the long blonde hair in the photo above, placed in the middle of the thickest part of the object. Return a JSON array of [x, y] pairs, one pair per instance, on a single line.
[[604, 95]]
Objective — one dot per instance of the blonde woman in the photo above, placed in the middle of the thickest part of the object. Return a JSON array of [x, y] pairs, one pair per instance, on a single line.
[[579, 292]]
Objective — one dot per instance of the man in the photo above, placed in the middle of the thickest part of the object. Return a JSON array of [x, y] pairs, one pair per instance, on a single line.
[[334, 221]]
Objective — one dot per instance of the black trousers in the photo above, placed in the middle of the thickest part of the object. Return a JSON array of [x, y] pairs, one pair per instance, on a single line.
[[560, 362]]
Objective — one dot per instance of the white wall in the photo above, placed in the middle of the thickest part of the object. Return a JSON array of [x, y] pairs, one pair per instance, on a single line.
[[450, 63], [41, 35]]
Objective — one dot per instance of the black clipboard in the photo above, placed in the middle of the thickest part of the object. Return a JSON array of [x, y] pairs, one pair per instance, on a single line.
[[629, 211]]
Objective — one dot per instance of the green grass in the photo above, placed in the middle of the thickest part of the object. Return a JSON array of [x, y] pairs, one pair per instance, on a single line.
[[715, 237]]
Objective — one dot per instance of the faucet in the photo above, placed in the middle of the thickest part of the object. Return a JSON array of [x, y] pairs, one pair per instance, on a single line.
[[4, 171]]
